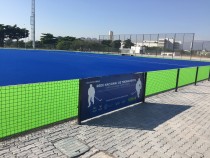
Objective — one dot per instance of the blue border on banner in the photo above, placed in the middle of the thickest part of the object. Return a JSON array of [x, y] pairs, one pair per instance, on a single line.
[[100, 95]]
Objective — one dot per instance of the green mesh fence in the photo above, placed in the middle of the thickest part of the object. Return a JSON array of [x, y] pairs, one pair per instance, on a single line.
[[187, 76], [203, 73], [159, 81], [24, 107]]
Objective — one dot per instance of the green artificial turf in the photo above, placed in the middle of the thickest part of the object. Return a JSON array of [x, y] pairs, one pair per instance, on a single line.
[[24, 107], [159, 81], [187, 76], [203, 73]]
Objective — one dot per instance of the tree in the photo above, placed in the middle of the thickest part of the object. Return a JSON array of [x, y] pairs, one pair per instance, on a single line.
[[48, 40], [14, 32], [96, 46], [19, 34], [38, 44], [63, 45], [21, 44], [79, 45], [66, 38], [128, 43], [116, 44], [106, 43], [9, 43], [2, 35], [29, 44]]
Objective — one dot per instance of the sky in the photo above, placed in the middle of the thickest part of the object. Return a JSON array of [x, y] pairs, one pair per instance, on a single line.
[[91, 18]]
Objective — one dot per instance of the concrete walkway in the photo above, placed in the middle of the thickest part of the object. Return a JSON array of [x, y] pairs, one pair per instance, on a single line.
[[169, 125]]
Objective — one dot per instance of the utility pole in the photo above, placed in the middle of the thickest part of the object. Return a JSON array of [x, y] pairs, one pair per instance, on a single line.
[[33, 23]]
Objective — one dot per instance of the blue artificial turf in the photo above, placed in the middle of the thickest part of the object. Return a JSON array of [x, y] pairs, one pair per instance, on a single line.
[[32, 66]]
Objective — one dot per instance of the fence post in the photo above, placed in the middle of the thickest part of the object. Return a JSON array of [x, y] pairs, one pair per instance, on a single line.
[[157, 42], [79, 103], [174, 45], [177, 80], [196, 76], [209, 74], [145, 83], [191, 50]]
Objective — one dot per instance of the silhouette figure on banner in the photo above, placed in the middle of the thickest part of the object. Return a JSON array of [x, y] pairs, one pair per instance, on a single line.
[[138, 87], [91, 95]]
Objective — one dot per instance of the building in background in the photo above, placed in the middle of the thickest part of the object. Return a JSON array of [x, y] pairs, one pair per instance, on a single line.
[[178, 45], [165, 43], [111, 35]]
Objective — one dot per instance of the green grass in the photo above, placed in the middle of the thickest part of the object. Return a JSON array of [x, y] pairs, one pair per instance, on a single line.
[[24, 107]]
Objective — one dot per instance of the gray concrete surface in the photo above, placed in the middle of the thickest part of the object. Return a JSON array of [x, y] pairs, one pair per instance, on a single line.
[[169, 125]]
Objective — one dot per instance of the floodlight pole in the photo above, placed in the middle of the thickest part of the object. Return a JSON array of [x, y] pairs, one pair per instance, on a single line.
[[33, 23]]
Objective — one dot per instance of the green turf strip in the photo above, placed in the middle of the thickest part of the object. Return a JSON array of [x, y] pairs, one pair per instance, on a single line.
[[24, 107], [203, 72], [159, 81], [187, 76]]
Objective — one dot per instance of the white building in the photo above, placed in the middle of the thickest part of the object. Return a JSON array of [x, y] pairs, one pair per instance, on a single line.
[[137, 50], [150, 43], [166, 43]]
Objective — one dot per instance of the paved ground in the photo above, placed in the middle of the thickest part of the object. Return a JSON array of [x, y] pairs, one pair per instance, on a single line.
[[169, 125]]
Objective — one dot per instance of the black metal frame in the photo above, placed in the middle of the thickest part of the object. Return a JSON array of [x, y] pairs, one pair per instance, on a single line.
[[196, 75], [79, 104], [177, 80], [145, 83], [144, 89], [209, 75]]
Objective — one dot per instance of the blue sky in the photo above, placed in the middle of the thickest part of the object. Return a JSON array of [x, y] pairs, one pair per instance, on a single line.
[[90, 18]]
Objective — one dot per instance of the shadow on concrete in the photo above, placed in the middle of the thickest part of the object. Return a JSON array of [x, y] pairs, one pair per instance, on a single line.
[[145, 116]]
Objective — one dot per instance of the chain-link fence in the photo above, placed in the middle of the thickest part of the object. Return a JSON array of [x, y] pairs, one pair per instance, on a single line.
[[172, 45], [175, 45], [164, 45], [201, 49]]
